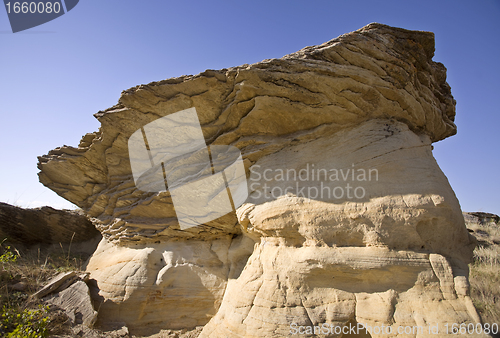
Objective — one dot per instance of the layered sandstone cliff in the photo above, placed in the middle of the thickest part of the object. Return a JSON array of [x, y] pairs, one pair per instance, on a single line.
[[348, 220]]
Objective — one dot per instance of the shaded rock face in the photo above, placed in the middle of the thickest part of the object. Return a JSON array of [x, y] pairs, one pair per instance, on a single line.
[[44, 225], [480, 218], [379, 238], [483, 226]]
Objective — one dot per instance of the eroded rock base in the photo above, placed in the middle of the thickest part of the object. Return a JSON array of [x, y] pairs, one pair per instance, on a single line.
[[284, 288]]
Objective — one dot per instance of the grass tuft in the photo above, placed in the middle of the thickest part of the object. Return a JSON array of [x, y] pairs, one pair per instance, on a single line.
[[484, 274]]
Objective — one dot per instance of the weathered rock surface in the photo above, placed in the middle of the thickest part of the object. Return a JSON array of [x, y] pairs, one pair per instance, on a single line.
[[375, 73], [386, 259], [58, 283], [68, 291], [44, 225], [480, 218], [176, 282], [484, 227], [393, 252], [76, 302]]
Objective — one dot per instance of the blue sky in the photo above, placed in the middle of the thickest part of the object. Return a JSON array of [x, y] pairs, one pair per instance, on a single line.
[[55, 76]]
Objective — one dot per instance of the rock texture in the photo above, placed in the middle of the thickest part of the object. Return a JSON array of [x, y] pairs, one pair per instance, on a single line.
[[485, 227], [394, 252], [480, 218], [44, 225], [375, 73], [172, 284], [76, 302], [58, 283], [69, 292], [397, 257]]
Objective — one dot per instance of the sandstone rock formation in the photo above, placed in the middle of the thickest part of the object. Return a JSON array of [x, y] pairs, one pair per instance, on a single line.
[[44, 225], [361, 226]]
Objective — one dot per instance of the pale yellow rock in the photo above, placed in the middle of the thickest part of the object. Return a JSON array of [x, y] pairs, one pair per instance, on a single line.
[[284, 287], [405, 200], [174, 284], [390, 251], [384, 253], [378, 307]]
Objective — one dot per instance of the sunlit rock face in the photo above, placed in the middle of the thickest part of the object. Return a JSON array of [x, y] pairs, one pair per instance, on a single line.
[[348, 218]]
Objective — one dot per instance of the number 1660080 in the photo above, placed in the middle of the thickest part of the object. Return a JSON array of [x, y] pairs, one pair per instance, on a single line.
[[33, 7]]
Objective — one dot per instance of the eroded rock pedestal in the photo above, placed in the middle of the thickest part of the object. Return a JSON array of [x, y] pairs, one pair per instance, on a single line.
[[367, 230]]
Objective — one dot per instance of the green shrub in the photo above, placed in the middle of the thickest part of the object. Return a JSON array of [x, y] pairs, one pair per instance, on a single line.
[[8, 256], [28, 323]]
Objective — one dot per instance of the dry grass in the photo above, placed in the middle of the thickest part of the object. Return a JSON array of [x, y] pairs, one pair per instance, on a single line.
[[33, 268], [485, 271], [22, 273]]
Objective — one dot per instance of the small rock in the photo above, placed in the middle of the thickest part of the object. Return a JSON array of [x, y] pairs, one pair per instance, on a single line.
[[59, 282], [84, 276], [123, 332], [76, 302]]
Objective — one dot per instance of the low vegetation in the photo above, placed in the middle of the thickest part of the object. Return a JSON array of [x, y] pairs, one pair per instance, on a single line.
[[22, 274], [484, 275]]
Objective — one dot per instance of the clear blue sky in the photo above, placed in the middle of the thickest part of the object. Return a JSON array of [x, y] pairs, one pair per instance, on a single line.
[[55, 76]]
